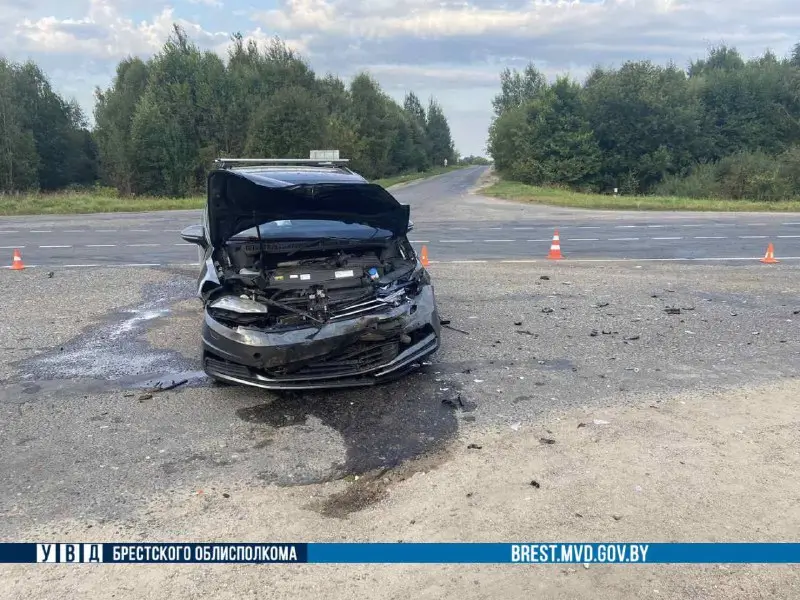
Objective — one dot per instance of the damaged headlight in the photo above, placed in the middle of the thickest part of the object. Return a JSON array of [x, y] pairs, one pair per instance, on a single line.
[[239, 304]]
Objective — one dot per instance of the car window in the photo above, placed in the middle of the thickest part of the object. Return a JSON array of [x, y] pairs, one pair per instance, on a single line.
[[313, 228]]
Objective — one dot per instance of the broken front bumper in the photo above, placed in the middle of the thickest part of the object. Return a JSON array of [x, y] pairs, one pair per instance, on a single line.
[[361, 351]]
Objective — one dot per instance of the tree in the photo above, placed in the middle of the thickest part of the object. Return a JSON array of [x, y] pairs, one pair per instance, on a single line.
[[438, 132]]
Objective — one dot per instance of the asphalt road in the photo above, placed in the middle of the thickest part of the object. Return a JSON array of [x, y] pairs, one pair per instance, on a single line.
[[454, 223]]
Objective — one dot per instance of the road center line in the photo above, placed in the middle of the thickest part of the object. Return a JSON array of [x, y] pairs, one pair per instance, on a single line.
[[183, 244], [74, 231], [454, 241], [588, 227], [539, 240], [419, 241], [100, 245], [142, 245], [41, 231], [583, 240], [11, 247], [9, 231], [499, 240], [105, 230], [667, 238], [55, 246], [710, 237], [751, 237], [623, 239], [789, 236]]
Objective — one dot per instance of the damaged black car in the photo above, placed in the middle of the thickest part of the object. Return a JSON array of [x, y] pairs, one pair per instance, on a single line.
[[308, 279]]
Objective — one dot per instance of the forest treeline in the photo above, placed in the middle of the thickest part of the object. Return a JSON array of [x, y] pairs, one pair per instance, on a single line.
[[162, 121], [725, 127]]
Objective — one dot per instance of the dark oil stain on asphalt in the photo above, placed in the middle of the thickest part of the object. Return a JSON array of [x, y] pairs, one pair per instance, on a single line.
[[381, 426]]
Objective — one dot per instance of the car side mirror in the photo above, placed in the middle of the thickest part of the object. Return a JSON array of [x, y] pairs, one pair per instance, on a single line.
[[195, 234], [410, 225]]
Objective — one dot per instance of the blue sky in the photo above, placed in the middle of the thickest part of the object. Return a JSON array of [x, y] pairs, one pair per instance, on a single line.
[[453, 50]]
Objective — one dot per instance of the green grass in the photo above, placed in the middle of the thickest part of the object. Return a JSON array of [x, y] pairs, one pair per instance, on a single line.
[[512, 190], [66, 203]]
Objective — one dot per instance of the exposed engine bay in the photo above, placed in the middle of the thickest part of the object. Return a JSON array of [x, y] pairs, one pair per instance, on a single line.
[[285, 284]]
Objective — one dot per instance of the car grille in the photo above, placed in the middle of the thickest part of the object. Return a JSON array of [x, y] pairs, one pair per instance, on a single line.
[[356, 358]]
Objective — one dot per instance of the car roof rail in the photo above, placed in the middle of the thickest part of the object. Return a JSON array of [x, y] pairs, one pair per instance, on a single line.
[[227, 163]]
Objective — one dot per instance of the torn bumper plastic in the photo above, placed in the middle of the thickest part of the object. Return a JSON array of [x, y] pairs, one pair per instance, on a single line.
[[363, 350]]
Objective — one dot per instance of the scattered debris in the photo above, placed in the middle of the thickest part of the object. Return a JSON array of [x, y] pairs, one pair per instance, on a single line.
[[516, 426], [517, 323], [593, 333], [671, 310], [50, 274], [474, 447], [144, 397], [689, 332], [600, 422], [478, 380], [600, 305], [545, 440], [526, 332], [444, 322], [547, 310], [545, 277], [455, 329], [467, 371], [454, 402], [129, 394], [535, 484], [581, 425], [632, 338], [226, 495]]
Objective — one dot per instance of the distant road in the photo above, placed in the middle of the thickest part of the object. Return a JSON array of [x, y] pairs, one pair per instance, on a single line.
[[455, 225]]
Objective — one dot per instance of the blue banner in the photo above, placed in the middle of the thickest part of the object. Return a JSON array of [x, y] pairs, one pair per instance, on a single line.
[[416, 553]]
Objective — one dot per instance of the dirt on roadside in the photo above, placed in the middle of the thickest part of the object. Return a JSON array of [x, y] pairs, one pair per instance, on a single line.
[[695, 467]]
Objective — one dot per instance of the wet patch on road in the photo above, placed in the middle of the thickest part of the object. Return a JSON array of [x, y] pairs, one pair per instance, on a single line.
[[380, 428], [111, 355]]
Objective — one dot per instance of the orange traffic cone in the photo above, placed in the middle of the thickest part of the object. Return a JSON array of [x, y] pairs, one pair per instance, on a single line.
[[424, 256], [769, 257], [16, 264], [555, 248]]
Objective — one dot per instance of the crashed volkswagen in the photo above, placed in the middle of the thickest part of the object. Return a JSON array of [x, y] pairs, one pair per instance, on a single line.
[[308, 279]]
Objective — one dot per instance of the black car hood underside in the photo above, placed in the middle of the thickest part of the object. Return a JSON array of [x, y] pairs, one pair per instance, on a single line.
[[238, 201]]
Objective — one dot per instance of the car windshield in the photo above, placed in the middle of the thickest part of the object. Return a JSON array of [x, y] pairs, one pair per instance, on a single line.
[[310, 229]]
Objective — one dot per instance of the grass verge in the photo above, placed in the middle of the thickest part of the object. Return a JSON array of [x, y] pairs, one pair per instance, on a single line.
[[512, 190], [65, 203]]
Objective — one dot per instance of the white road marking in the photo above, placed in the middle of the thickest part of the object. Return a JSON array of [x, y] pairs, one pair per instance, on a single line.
[[635, 260], [654, 226], [623, 239], [789, 236], [41, 231], [419, 241], [583, 240], [454, 241], [184, 244], [625, 226], [588, 227], [100, 245], [499, 240], [105, 230], [667, 238], [547, 240], [756, 224], [522, 228], [751, 237], [466, 261], [710, 237], [172, 230], [11, 247], [142, 245], [75, 231], [790, 223], [696, 225], [55, 246], [81, 265], [9, 231], [139, 230]]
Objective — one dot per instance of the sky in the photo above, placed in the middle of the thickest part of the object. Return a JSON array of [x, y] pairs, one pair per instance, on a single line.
[[453, 50]]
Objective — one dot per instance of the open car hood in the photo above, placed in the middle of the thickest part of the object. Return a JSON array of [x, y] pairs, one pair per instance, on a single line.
[[238, 201]]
